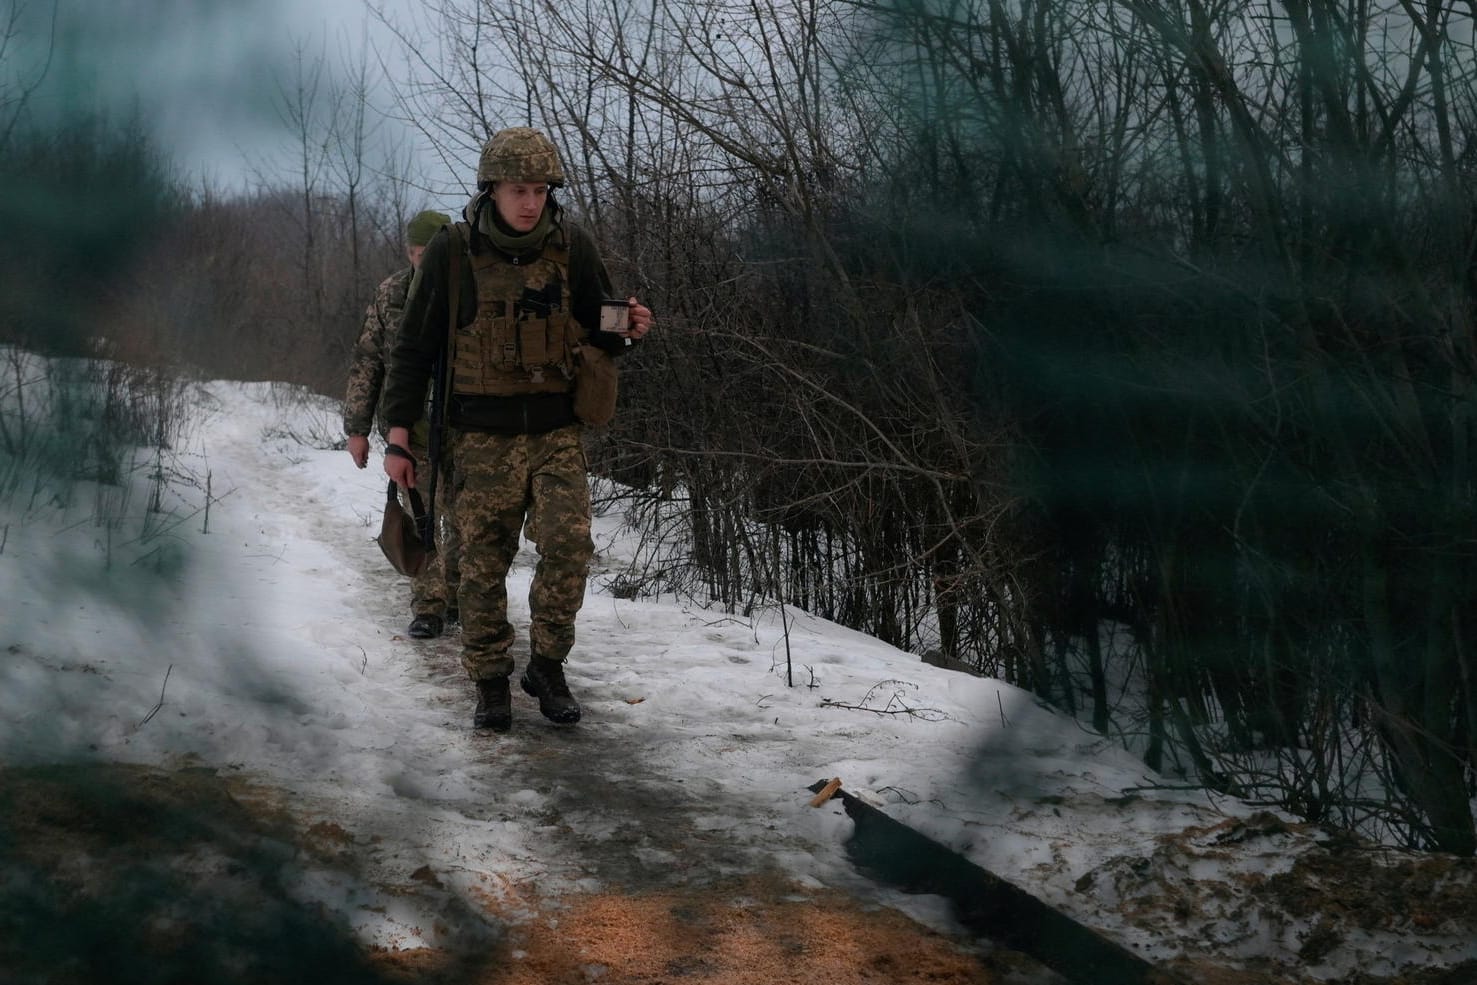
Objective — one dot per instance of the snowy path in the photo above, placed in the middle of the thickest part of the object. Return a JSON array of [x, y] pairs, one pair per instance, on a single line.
[[650, 790]]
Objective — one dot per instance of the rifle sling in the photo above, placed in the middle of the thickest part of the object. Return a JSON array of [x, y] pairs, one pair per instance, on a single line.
[[448, 368]]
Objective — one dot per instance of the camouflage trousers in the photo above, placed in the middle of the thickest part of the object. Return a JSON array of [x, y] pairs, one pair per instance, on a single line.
[[434, 590], [503, 481]]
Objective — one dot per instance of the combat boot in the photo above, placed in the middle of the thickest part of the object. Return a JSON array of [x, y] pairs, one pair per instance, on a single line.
[[544, 679], [426, 627], [494, 705]]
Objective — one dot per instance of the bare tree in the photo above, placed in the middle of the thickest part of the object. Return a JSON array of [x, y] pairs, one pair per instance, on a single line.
[[300, 109], [19, 83]]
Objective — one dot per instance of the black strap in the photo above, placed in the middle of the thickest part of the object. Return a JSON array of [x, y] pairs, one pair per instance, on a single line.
[[441, 400], [400, 452], [417, 505]]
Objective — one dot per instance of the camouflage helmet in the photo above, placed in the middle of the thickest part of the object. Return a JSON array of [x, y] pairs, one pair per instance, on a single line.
[[520, 154]]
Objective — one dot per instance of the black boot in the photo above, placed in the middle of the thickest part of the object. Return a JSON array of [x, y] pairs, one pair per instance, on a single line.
[[544, 679], [425, 627], [494, 705]]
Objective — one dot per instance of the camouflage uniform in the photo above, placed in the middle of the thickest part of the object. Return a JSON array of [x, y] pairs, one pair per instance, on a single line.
[[519, 457], [503, 479], [432, 591]]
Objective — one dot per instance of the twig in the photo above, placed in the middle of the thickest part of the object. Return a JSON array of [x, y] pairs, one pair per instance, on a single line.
[[151, 714], [789, 666], [902, 710], [895, 704], [1001, 702], [1162, 787]]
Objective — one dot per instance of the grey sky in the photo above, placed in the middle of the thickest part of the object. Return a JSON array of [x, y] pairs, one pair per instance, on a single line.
[[204, 73]]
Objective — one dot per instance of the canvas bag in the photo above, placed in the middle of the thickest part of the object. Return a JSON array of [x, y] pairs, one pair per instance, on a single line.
[[596, 378], [400, 534]]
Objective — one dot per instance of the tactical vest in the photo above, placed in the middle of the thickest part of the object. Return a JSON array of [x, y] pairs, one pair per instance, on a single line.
[[524, 337]]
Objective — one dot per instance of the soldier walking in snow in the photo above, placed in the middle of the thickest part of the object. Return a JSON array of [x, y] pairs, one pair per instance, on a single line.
[[433, 592], [523, 286]]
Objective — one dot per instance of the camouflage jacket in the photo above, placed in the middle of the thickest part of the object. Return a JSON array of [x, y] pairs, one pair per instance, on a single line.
[[367, 371]]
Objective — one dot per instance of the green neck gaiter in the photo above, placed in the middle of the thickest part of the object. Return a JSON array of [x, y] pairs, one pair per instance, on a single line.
[[511, 242]]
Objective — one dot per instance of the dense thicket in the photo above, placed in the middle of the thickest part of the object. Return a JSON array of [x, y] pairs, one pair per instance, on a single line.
[[111, 254], [261, 286], [78, 201]]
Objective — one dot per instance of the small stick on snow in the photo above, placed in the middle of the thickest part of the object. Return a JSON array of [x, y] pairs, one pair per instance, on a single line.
[[151, 714]]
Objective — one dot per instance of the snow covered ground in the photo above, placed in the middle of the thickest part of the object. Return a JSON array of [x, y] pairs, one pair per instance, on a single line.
[[262, 638]]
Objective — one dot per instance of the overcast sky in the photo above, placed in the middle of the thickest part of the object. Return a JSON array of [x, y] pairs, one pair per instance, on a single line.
[[204, 73]]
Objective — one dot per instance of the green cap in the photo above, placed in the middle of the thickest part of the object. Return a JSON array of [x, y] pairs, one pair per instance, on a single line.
[[418, 231]]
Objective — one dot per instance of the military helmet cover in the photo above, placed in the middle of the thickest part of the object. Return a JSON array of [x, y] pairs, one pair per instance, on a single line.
[[520, 154]]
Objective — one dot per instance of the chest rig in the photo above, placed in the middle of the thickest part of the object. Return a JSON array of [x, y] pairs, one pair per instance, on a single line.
[[523, 338]]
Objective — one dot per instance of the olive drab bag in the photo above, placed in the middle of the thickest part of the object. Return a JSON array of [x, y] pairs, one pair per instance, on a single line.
[[596, 378], [401, 534]]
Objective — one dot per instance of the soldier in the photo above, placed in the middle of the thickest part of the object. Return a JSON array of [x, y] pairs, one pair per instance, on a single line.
[[528, 296], [432, 593]]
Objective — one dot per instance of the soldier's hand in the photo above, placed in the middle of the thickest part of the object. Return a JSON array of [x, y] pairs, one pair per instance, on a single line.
[[399, 465], [401, 469], [641, 319], [359, 449]]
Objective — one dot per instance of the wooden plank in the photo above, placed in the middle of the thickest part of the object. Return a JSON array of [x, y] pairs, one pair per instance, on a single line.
[[988, 905], [826, 792]]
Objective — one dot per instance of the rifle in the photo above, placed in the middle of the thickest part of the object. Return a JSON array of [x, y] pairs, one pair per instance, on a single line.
[[426, 522], [441, 388]]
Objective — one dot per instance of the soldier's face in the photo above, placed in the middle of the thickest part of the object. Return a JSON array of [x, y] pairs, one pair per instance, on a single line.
[[414, 254], [520, 205]]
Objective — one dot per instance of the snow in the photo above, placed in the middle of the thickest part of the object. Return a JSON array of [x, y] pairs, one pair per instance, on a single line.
[[264, 635]]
